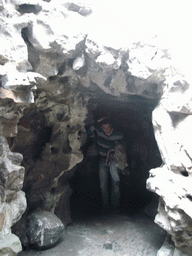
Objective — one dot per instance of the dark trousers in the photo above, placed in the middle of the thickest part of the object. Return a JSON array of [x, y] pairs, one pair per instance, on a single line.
[[104, 172]]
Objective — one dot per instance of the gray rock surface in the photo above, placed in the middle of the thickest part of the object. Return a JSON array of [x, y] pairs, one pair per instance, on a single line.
[[52, 71], [172, 181], [168, 249], [12, 199], [10, 245], [44, 229]]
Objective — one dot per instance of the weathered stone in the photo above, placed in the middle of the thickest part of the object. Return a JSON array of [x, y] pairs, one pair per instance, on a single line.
[[60, 67], [50, 137], [2, 218], [17, 206], [80, 9], [62, 209], [12, 199], [10, 245], [45, 229], [9, 117], [12, 174], [174, 213], [11, 212], [171, 120], [168, 249]]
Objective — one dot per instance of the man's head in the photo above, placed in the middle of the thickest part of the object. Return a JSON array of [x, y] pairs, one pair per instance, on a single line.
[[106, 126]]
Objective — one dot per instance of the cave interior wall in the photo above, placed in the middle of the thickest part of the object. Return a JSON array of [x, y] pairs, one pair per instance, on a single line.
[[45, 147]]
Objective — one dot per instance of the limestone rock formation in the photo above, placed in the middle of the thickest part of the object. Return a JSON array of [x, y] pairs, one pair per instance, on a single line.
[[13, 202], [53, 132], [56, 58], [11, 245], [172, 181]]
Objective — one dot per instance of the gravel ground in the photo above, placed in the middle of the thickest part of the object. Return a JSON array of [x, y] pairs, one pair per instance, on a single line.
[[106, 235]]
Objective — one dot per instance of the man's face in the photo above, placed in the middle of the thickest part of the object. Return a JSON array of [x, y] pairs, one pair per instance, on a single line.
[[107, 128]]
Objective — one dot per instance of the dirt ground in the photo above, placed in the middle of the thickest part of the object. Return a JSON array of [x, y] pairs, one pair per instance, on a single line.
[[124, 234]]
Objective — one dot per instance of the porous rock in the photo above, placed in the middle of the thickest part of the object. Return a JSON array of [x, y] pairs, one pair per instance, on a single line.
[[59, 68], [12, 199]]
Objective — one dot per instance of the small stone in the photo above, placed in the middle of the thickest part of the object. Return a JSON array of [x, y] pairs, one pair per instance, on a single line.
[[108, 246]]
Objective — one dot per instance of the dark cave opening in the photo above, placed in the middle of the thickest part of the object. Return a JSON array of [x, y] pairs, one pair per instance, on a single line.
[[133, 118]]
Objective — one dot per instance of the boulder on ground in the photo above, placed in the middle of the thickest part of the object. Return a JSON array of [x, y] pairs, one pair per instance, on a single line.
[[45, 229]]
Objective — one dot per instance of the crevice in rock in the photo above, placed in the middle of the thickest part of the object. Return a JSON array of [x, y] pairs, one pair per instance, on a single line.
[[33, 54], [177, 117], [32, 124], [184, 173], [29, 8]]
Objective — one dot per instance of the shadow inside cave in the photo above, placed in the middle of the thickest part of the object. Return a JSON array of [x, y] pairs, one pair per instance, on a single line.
[[86, 202], [134, 120]]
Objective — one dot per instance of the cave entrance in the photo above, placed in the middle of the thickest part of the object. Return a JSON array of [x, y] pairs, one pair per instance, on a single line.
[[133, 117]]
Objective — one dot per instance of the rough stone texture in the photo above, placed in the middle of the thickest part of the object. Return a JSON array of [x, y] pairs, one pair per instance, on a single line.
[[10, 245], [9, 117], [172, 121], [12, 174], [12, 199], [59, 68], [169, 249], [50, 135], [44, 229]]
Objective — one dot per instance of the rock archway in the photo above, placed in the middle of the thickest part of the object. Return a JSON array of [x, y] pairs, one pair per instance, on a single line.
[[52, 77]]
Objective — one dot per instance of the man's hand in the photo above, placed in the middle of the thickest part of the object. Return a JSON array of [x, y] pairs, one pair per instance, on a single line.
[[110, 157], [92, 128]]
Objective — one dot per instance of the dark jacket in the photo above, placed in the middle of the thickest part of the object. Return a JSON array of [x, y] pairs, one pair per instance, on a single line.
[[104, 142]]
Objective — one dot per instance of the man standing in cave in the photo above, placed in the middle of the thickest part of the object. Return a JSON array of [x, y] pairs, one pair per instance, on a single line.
[[107, 137]]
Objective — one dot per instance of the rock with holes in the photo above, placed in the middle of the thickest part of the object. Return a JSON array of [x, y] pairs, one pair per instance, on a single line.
[[9, 117], [172, 182], [98, 56], [12, 199], [168, 249], [50, 137], [12, 174], [45, 229]]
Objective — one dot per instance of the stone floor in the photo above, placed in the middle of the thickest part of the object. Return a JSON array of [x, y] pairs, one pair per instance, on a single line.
[[125, 234]]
